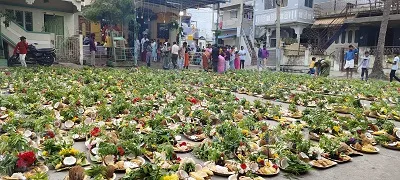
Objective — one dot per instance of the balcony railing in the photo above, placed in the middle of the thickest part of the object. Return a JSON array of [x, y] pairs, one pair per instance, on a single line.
[[334, 7]]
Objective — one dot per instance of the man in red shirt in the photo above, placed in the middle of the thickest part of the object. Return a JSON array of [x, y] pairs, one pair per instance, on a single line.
[[22, 49]]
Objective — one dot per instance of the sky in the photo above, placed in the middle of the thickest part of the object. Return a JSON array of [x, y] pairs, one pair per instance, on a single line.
[[203, 16]]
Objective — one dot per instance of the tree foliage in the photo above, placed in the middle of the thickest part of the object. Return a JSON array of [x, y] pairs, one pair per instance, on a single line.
[[112, 12]]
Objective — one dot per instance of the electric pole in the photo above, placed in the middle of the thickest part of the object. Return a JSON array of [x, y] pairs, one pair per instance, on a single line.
[[278, 35]]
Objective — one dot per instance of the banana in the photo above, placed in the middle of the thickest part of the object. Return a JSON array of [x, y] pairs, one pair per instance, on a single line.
[[196, 176], [208, 171]]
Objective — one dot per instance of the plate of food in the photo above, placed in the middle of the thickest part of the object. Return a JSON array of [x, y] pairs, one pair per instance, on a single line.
[[195, 137], [339, 159], [322, 163], [227, 170], [239, 177], [392, 145], [183, 147], [368, 148]]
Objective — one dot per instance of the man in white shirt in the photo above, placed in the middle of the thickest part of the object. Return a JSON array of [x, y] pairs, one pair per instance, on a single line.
[[242, 54], [364, 65], [174, 54], [395, 67]]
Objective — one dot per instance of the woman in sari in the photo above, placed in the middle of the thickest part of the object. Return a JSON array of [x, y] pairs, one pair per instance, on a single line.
[[205, 58]]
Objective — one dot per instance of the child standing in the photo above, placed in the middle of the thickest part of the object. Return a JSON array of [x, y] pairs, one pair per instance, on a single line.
[[364, 64], [312, 66]]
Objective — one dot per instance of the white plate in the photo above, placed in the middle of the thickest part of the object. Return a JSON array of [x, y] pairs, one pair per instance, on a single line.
[[95, 150], [69, 124]]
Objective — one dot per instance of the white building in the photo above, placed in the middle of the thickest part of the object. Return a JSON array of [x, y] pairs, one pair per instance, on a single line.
[[40, 21]]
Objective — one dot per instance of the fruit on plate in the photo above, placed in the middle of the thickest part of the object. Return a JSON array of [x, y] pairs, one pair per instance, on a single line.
[[322, 163]]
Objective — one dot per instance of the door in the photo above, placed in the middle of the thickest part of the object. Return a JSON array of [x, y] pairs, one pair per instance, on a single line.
[[54, 24]]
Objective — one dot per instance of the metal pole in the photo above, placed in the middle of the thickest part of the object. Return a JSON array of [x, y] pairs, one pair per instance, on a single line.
[[278, 35], [240, 31], [217, 29], [254, 22]]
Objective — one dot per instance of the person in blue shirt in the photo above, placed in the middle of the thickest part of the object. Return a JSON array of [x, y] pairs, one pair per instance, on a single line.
[[350, 56]]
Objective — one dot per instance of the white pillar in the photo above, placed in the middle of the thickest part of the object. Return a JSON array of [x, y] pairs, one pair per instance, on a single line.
[[298, 30], [80, 49]]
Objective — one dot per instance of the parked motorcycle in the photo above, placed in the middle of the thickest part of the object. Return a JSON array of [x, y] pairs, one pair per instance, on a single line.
[[42, 56]]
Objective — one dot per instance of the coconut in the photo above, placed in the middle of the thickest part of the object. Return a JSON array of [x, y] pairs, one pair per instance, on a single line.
[[3, 116], [109, 160], [110, 172], [69, 124], [283, 163], [69, 161], [76, 173], [183, 174]]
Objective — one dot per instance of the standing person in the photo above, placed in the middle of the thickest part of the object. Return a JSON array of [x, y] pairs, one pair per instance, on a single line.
[[232, 58], [265, 55], [214, 57], [221, 62], [165, 51], [364, 65], [227, 56], [312, 66], [185, 55], [205, 57], [148, 53], [137, 51], [143, 42], [154, 50], [159, 47], [395, 67], [260, 58], [242, 54], [108, 45], [22, 48], [93, 50], [349, 57], [237, 60], [174, 54]]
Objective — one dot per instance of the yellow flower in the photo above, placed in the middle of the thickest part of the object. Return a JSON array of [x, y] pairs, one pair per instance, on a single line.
[[170, 177], [336, 128], [73, 151], [240, 156], [63, 152], [245, 132], [45, 153], [75, 119], [276, 156]]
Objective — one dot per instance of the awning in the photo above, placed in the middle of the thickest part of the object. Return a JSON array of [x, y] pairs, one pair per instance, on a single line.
[[330, 21], [227, 36], [185, 4]]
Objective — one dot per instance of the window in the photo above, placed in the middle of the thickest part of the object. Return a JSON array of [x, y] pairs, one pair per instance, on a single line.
[[28, 21], [22, 18], [269, 4], [343, 40], [308, 3], [233, 14], [356, 36], [350, 37], [19, 18]]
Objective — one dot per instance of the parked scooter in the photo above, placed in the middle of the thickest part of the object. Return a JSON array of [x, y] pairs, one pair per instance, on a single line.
[[43, 56]]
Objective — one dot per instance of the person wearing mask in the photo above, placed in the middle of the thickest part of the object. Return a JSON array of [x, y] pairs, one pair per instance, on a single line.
[[395, 67], [22, 49], [214, 57], [175, 54], [265, 55], [93, 50], [350, 57], [165, 51], [364, 65], [242, 54]]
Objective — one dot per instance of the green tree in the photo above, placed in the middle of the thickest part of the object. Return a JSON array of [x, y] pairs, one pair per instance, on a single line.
[[112, 12]]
